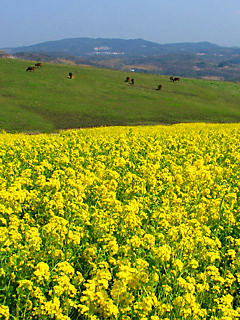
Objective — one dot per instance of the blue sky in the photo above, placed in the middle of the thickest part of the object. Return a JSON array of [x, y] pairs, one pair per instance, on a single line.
[[25, 22]]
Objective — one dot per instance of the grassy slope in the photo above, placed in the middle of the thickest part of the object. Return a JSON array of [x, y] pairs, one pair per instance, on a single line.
[[46, 100]]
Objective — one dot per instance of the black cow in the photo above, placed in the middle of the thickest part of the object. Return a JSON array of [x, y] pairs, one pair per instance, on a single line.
[[30, 69], [177, 79]]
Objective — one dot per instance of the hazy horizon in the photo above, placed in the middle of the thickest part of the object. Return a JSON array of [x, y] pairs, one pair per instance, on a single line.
[[111, 38], [176, 21]]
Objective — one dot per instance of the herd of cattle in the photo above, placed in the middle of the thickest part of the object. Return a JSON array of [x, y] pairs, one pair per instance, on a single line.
[[32, 68], [159, 87], [39, 65], [127, 80]]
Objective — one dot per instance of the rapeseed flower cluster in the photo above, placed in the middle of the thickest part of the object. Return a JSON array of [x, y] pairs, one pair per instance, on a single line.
[[121, 223]]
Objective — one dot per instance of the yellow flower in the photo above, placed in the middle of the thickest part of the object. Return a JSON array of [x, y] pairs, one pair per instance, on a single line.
[[4, 312], [117, 215], [163, 253], [26, 284], [65, 268], [178, 263], [194, 263], [2, 272], [42, 272]]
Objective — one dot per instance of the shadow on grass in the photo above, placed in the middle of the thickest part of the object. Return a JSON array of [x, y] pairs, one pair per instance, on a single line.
[[71, 120]]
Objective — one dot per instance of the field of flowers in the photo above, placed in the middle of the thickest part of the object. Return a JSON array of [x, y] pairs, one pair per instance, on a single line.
[[121, 223]]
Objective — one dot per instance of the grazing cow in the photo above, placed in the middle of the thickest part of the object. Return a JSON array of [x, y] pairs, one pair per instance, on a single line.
[[127, 79], [38, 65], [176, 79], [30, 69], [159, 87], [132, 81], [70, 75]]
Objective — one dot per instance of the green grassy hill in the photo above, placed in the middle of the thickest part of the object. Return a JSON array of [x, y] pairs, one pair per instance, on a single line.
[[46, 100]]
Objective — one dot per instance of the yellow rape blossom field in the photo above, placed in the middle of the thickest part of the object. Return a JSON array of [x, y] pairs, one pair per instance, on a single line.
[[121, 223]]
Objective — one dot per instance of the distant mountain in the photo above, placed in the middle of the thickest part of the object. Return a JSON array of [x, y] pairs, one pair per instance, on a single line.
[[81, 47], [197, 60]]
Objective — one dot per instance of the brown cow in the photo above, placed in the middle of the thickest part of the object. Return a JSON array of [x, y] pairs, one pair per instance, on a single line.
[[39, 64], [132, 81], [176, 79], [30, 69], [127, 79], [159, 87], [70, 75]]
